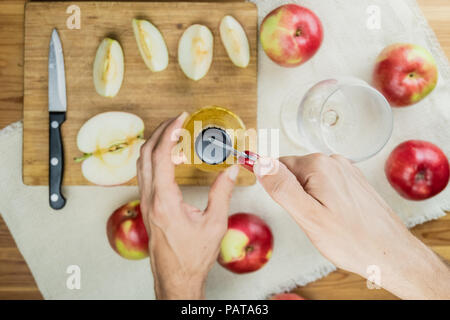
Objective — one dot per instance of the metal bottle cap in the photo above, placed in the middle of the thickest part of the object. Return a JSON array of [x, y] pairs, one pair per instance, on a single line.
[[207, 151]]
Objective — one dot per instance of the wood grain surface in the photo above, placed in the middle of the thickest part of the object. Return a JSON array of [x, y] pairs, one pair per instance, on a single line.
[[16, 281], [154, 97]]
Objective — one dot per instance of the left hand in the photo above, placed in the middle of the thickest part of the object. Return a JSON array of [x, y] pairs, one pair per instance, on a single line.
[[184, 241]]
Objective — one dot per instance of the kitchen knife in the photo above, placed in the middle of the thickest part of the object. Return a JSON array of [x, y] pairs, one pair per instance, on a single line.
[[57, 105]]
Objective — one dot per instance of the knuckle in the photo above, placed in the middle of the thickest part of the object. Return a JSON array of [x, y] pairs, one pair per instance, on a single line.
[[145, 154], [279, 188], [298, 162], [156, 209], [319, 160], [336, 156], [153, 213], [142, 148], [157, 155], [219, 227], [340, 158], [158, 219]]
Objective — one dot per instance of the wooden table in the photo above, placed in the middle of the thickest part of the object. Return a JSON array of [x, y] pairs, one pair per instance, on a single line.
[[16, 281]]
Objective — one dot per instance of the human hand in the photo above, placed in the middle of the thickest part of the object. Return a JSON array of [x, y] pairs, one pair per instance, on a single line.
[[184, 241], [351, 224]]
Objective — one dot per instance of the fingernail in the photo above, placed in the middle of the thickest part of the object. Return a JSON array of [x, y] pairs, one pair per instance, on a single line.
[[233, 172], [183, 116], [263, 166]]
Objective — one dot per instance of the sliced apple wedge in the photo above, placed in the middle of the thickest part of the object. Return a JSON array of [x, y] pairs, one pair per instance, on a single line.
[[111, 144], [235, 41], [108, 68], [151, 45], [195, 51]]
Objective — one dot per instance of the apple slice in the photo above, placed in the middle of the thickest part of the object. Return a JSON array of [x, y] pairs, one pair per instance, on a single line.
[[195, 51], [235, 41], [151, 45], [111, 144], [108, 68]]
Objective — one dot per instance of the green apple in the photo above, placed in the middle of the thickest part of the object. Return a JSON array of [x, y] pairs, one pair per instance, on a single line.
[[108, 68], [151, 45], [111, 143], [195, 51], [235, 41]]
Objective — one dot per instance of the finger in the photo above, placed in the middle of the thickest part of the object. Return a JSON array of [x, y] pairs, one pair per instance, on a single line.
[[282, 185], [143, 163], [147, 147], [163, 166], [220, 194], [302, 167], [350, 168], [343, 161]]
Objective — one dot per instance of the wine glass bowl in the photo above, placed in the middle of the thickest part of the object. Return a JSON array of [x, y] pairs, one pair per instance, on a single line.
[[343, 116]]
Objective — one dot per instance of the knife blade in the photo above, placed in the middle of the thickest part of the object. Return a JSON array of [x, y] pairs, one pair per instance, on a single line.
[[57, 105]]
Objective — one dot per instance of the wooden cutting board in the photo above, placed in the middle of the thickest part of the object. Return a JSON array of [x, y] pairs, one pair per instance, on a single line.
[[154, 97]]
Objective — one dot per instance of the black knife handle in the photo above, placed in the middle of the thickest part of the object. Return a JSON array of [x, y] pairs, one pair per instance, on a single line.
[[56, 161]]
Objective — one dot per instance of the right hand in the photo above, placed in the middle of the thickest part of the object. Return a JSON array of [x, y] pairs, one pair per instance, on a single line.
[[349, 223]]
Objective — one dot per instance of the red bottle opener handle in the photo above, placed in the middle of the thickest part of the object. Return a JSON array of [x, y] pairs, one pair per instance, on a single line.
[[248, 163]]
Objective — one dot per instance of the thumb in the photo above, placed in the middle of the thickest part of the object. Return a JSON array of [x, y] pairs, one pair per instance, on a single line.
[[282, 185], [220, 193]]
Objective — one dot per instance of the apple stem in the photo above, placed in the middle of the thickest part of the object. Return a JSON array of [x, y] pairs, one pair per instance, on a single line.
[[420, 176], [298, 32], [83, 157], [131, 213]]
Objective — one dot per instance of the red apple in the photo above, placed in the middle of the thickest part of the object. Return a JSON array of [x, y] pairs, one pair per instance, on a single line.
[[290, 35], [405, 74], [286, 296], [417, 169], [126, 232], [247, 244]]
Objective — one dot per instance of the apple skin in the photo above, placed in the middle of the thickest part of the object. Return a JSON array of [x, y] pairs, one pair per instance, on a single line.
[[247, 245], [417, 170], [286, 296], [290, 35], [405, 74], [126, 232]]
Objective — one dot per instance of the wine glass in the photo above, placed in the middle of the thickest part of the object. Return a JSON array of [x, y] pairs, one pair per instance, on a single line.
[[343, 116]]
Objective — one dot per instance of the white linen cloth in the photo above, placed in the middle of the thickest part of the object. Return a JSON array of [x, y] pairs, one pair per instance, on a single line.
[[53, 241]]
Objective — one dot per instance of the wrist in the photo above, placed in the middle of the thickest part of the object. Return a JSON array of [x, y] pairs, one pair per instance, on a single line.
[[413, 271], [180, 288]]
